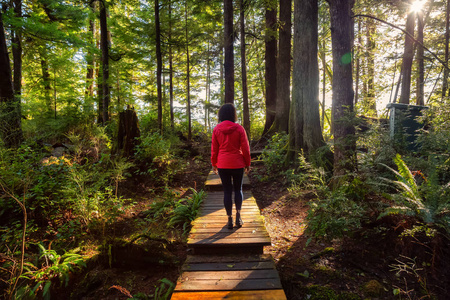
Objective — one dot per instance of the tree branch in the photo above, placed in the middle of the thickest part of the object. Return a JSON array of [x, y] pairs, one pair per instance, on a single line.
[[405, 32]]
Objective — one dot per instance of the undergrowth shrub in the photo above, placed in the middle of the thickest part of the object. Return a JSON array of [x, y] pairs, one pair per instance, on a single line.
[[46, 269], [155, 155], [429, 201], [274, 154], [335, 215]]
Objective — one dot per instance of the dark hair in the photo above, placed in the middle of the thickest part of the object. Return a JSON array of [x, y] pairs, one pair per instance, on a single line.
[[227, 112]]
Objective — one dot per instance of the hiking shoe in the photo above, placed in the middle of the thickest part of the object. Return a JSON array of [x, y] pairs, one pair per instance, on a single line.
[[239, 221], [230, 223]]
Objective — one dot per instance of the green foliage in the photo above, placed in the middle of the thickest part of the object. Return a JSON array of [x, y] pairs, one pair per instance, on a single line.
[[430, 201], [274, 154], [335, 215], [186, 210], [162, 292], [316, 292], [156, 154], [42, 273], [306, 177]]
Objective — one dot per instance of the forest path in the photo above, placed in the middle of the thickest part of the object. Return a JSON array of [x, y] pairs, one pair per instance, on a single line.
[[228, 263]]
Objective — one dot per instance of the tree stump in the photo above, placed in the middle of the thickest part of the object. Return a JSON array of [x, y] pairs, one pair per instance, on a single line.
[[128, 132]]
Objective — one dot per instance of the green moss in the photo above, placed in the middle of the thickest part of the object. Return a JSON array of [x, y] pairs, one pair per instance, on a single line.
[[373, 288], [316, 292]]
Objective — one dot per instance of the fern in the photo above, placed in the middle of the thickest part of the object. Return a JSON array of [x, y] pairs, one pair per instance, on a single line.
[[430, 202]]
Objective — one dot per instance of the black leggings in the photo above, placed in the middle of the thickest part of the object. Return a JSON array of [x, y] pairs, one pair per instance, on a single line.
[[232, 179]]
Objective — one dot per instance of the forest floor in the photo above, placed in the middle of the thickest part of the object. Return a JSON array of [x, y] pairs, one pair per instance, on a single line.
[[356, 268]]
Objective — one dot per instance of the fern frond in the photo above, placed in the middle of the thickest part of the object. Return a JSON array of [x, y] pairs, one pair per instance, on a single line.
[[405, 174], [397, 210]]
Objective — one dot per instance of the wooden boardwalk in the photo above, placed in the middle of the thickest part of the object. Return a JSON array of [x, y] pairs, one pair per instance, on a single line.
[[228, 264]]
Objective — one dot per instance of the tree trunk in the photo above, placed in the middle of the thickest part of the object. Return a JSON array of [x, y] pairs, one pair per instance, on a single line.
[[370, 103], [420, 67], [10, 119], [408, 56], [172, 122], [283, 96], [90, 62], [270, 66], [343, 130], [358, 59], [46, 80], [305, 84], [188, 76], [246, 111], [447, 40], [129, 133], [228, 49], [104, 45], [158, 65], [17, 52]]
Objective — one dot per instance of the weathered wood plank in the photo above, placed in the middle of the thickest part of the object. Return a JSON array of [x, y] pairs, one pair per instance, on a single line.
[[229, 275], [232, 295], [230, 235], [220, 285], [227, 258], [229, 266], [238, 242], [221, 229]]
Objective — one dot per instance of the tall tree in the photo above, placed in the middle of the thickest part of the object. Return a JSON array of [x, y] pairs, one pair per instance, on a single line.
[[246, 111], [104, 45], [305, 131], [17, 51], [446, 47], [10, 119], [228, 49], [188, 74], [283, 95], [270, 58], [90, 58], [420, 66], [172, 119], [158, 65], [369, 98], [408, 56], [342, 101], [46, 80]]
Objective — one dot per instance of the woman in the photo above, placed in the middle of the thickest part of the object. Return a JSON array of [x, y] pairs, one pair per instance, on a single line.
[[230, 156]]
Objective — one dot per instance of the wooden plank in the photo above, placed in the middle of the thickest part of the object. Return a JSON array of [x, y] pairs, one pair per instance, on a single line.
[[230, 235], [232, 295], [226, 230], [229, 275], [223, 266], [238, 242], [220, 285], [227, 258]]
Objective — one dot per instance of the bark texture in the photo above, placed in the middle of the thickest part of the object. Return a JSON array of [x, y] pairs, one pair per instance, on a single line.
[[104, 45], [10, 118], [228, 49], [342, 102], [270, 66], [408, 56], [245, 104], [281, 122], [305, 128]]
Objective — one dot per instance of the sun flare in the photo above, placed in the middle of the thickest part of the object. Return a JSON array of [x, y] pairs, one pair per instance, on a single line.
[[417, 5]]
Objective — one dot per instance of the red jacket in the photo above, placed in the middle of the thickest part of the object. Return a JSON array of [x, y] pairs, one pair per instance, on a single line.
[[229, 147]]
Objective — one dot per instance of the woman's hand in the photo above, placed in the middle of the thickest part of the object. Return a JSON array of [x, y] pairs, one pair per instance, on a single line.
[[215, 170], [247, 170]]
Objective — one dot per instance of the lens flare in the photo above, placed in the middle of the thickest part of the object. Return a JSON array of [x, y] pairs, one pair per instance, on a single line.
[[417, 5]]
